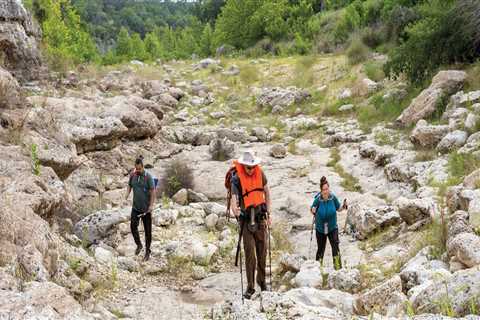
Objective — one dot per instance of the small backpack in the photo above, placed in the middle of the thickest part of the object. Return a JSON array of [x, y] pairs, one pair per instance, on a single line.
[[228, 186]]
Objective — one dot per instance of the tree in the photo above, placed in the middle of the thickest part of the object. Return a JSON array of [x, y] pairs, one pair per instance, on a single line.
[[138, 48], [153, 46], [64, 38], [206, 41], [235, 25], [124, 49]]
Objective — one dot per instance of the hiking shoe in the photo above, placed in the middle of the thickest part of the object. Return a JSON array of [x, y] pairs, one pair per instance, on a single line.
[[249, 293], [263, 286], [147, 256], [138, 250]]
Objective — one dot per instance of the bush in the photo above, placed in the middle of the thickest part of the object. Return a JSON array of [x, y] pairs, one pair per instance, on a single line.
[[397, 19], [177, 175], [448, 33], [357, 51], [461, 165], [322, 27], [372, 37], [374, 70], [261, 48]]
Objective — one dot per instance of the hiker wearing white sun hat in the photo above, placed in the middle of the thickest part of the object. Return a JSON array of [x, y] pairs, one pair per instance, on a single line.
[[251, 204]]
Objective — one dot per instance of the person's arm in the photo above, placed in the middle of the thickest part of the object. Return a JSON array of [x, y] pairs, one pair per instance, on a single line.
[[235, 205], [129, 188], [268, 199], [314, 206], [151, 187], [336, 203]]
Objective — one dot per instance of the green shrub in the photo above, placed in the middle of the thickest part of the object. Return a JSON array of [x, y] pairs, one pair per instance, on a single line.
[[35, 160], [374, 70], [372, 37], [177, 175], [448, 33], [357, 51], [461, 165]]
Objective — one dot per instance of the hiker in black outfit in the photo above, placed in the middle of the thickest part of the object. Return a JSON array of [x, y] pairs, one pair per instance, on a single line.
[[324, 208], [143, 200]]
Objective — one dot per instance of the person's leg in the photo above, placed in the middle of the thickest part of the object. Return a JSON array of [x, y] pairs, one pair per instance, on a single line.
[[261, 252], [147, 226], [321, 243], [134, 220], [335, 244], [250, 261]]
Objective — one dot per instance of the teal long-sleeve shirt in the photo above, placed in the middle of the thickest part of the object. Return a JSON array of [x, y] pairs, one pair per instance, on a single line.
[[326, 212]]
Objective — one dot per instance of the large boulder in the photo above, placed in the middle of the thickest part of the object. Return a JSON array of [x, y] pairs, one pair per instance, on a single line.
[[421, 269], [221, 149], [456, 292], [291, 262], [19, 35], [10, 91], [453, 140], [284, 97], [310, 275], [347, 280], [465, 247], [100, 224], [28, 200], [278, 151], [41, 300], [472, 181], [387, 298], [414, 210], [472, 145], [363, 221], [425, 135], [425, 104]]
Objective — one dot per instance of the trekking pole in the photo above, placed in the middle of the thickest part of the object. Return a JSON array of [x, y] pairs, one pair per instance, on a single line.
[[238, 256], [311, 238], [270, 258]]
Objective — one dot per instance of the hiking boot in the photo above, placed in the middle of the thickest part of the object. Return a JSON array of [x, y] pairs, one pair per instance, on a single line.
[[263, 286], [249, 293], [147, 255], [138, 250]]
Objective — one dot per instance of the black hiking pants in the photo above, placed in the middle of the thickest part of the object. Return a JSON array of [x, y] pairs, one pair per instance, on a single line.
[[334, 243], [147, 226]]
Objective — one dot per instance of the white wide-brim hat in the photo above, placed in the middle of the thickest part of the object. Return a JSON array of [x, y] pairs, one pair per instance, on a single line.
[[248, 158]]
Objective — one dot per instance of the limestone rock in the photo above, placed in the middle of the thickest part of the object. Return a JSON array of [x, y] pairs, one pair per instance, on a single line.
[[426, 135], [460, 288], [181, 197], [414, 210], [347, 280], [211, 221], [386, 296], [19, 35], [278, 151], [270, 97], [466, 248], [363, 221], [425, 104], [221, 149], [165, 217], [100, 224], [309, 275], [453, 140], [291, 262]]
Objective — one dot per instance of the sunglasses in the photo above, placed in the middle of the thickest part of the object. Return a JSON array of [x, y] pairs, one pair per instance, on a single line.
[[250, 167]]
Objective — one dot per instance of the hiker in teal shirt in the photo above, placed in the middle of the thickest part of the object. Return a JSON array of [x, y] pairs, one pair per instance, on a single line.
[[324, 208]]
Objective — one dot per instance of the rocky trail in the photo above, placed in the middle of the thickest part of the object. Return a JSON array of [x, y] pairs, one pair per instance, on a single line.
[[409, 240]]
